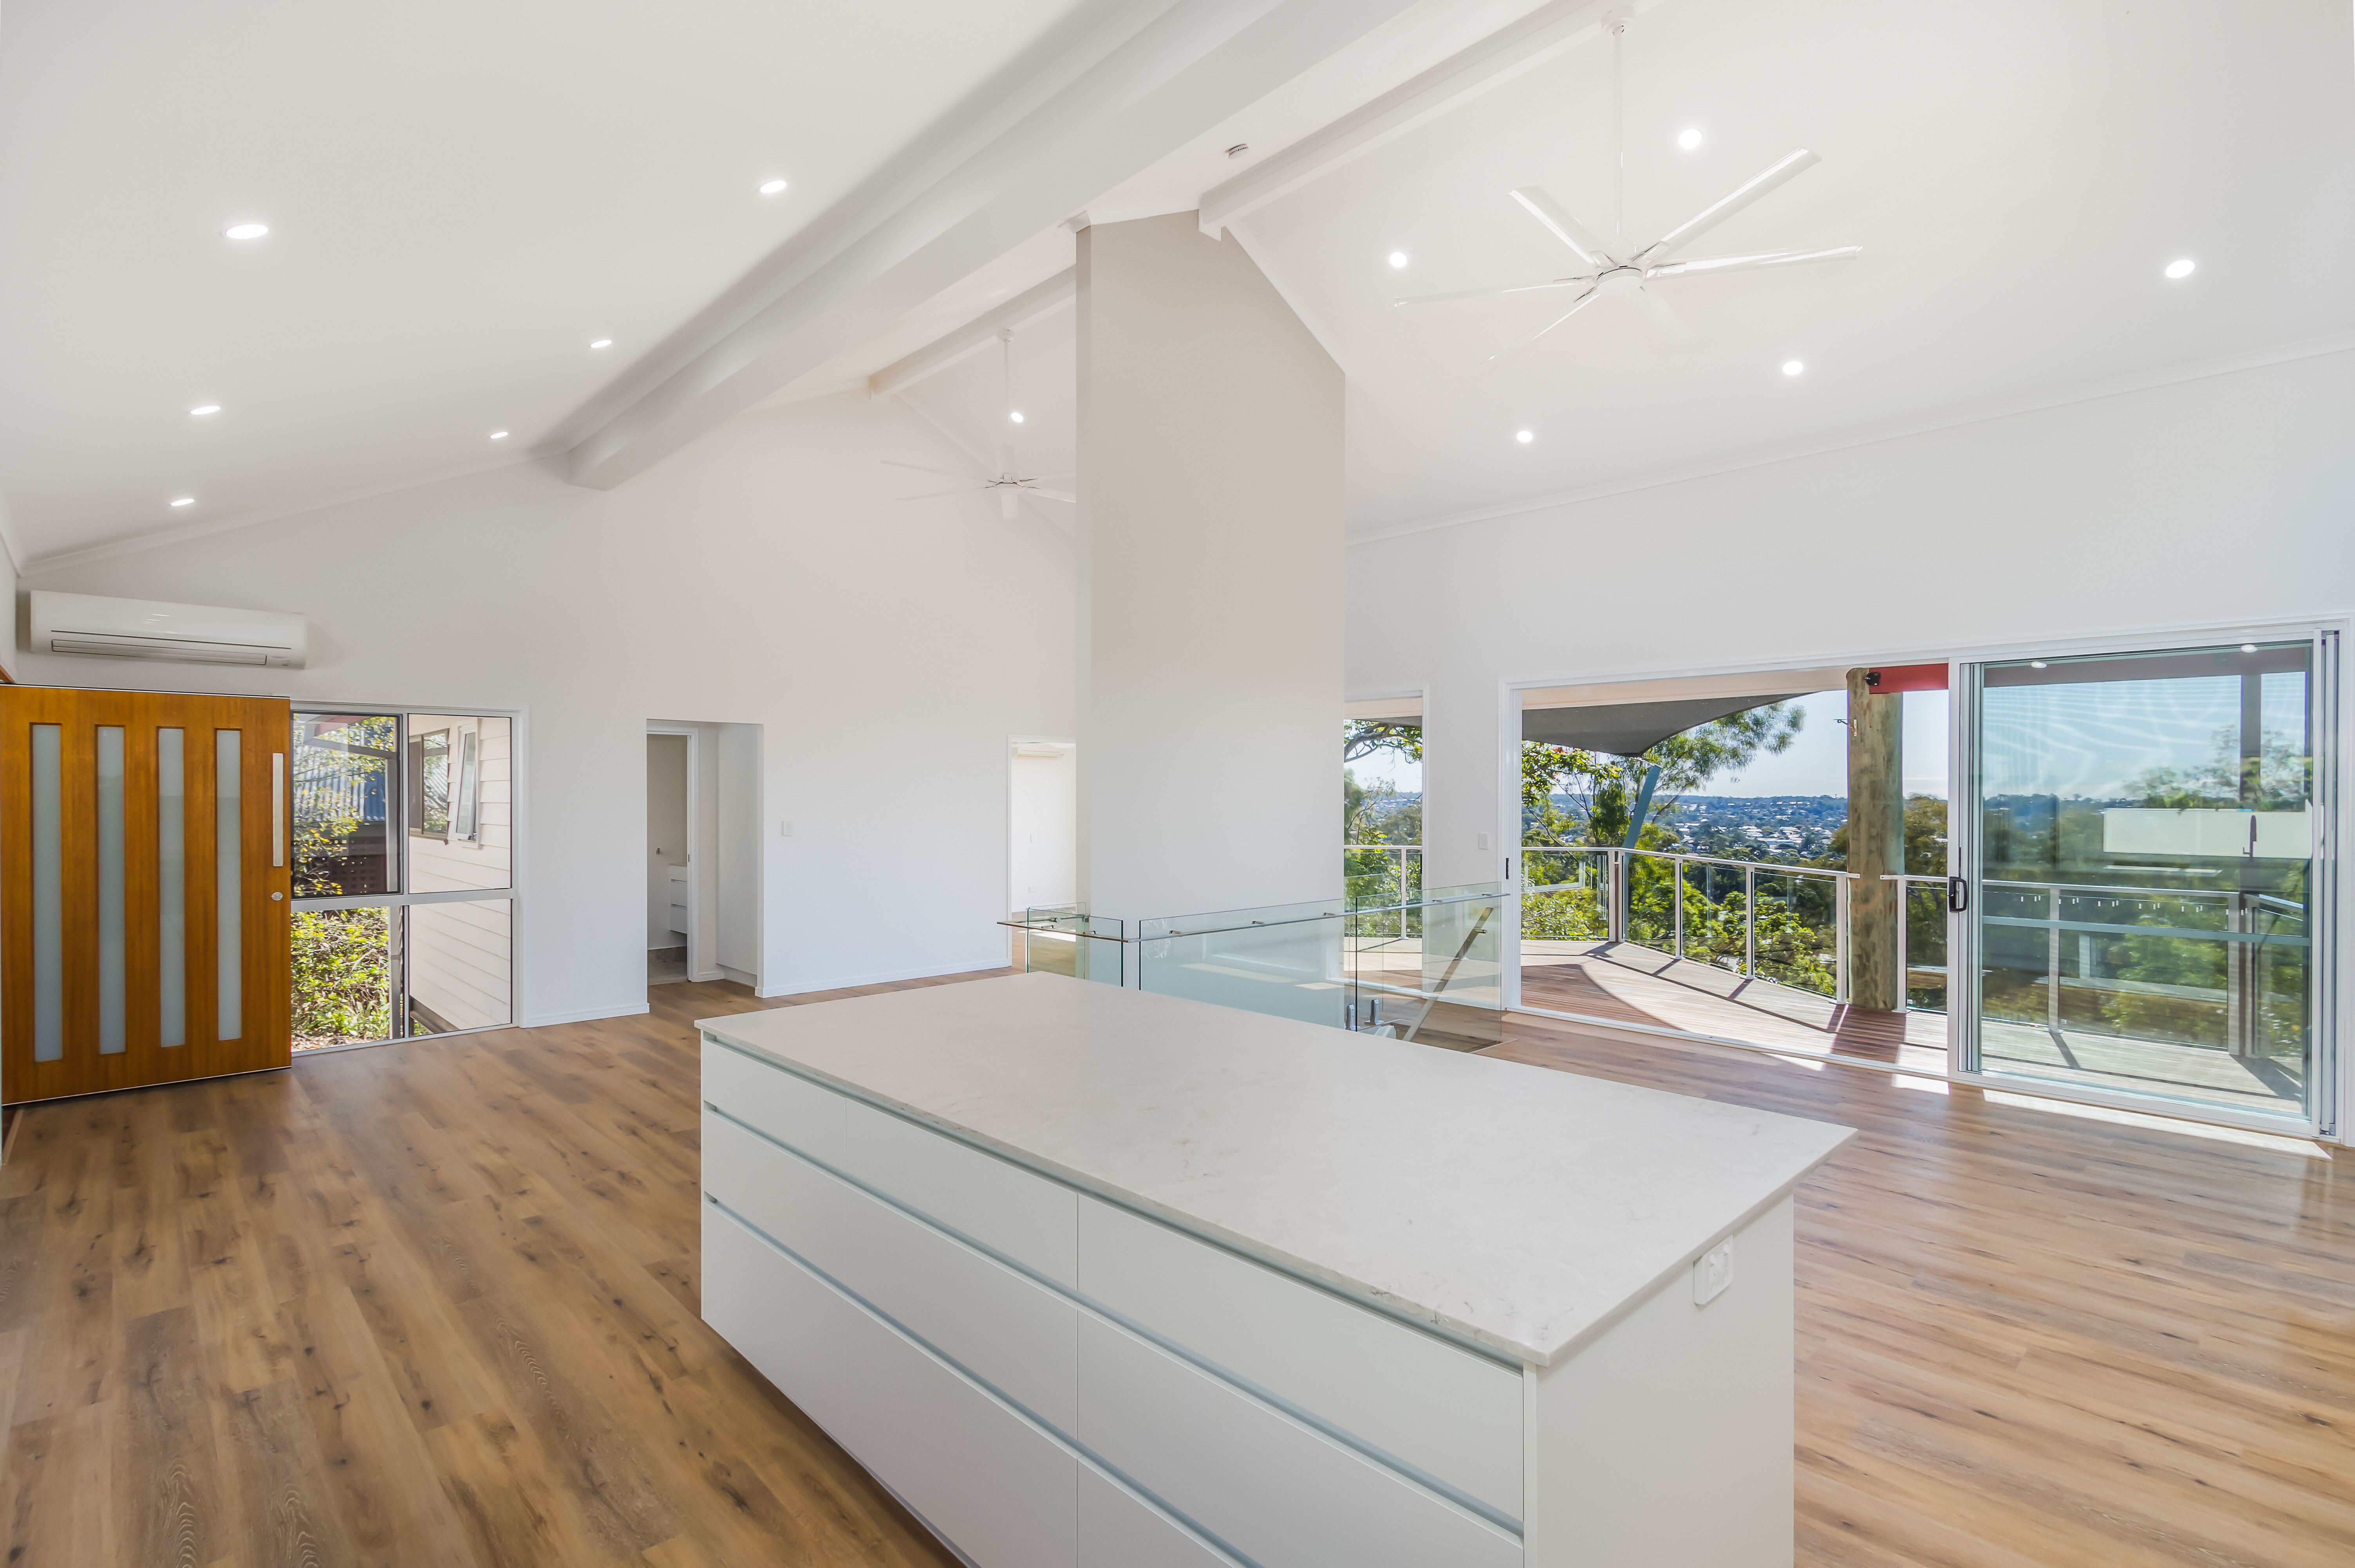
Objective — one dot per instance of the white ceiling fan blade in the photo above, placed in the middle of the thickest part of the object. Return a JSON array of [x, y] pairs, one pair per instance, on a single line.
[[1010, 502], [1712, 265], [1053, 494], [1562, 226], [935, 495], [944, 473], [1510, 349], [1054, 478], [1493, 292], [1658, 315], [1792, 165]]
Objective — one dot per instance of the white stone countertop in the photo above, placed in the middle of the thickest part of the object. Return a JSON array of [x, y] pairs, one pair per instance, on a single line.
[[1520, 1207]]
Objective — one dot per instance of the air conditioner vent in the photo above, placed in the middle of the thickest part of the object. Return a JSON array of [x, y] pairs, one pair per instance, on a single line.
[[91, 626]]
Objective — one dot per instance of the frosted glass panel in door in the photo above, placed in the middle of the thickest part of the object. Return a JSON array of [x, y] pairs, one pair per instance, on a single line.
[[110, 994], [171, 886], [229, 843], [49, 895], [2144, 882]]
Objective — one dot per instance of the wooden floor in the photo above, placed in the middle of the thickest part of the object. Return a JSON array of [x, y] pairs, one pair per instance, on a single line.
[[435, 1303]]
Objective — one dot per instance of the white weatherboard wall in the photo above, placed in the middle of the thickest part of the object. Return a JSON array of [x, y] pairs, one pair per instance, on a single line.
[[1210, 490], [766, 576]]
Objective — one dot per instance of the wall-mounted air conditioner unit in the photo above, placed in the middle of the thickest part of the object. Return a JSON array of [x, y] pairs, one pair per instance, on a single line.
[[183, 633]]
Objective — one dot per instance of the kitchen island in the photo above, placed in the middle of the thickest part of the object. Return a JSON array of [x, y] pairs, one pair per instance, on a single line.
[[1097, 1278]]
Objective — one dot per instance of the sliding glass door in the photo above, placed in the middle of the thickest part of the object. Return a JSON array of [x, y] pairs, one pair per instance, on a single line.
[[2140, 848]]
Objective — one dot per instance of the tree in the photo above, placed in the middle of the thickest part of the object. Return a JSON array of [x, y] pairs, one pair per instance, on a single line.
[[1364, 737], [1925, 838], [1603, 787]]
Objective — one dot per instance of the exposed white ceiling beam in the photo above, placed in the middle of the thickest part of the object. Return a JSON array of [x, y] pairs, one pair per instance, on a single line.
[[978, 334], [1113, 89], [1548, 31]]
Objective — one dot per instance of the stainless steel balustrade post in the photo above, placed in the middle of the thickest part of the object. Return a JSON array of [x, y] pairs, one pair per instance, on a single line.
[[1678, 892], [1839, 933], [1750, 922], [2052, 963]]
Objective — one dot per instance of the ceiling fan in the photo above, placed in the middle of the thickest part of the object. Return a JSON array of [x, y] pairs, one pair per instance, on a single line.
[[1630, 274], [1008, 481]]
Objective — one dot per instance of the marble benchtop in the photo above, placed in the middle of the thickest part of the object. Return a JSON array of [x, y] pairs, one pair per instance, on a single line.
[[1518, 1207]]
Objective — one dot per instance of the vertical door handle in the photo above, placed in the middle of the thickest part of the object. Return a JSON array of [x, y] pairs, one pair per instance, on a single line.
[[277, 809], [1959, 894]]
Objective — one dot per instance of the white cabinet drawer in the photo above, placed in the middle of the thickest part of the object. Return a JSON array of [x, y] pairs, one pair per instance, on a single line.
[[994, 1202], [1006, 1329], [977, 1473], [1118, 1531], [1270, 1487], [789, 1108], [1444, 1410]]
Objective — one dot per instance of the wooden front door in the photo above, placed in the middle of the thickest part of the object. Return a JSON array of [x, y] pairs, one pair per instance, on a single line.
[[143, 889]]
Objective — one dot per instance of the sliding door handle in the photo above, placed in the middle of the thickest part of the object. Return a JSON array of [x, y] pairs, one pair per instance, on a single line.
[[1959, 895], [277, 809]]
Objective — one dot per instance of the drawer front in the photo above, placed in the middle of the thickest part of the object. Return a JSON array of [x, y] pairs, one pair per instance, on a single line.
[[1118, 1531], [789, 1108], [977, 1473], [1273, 1489], [1007, 1331], [1447, 1412], [994, 1202]]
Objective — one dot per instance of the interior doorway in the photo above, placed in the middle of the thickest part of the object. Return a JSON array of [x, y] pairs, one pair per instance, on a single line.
[[703, 852], [1042, 826]]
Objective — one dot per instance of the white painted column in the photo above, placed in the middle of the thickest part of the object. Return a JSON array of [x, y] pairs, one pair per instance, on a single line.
[[1211, 583]]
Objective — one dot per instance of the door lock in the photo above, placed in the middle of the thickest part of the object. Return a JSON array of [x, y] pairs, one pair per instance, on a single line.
[[1959, 894]]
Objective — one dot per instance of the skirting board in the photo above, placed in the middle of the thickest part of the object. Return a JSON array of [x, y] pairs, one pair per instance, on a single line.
[[585, 1014], [800, 988]]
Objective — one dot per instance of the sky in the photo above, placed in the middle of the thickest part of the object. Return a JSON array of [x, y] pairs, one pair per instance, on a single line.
[[1817, 763]]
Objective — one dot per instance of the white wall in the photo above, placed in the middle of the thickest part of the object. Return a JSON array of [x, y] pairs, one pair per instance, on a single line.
[[738, 842], [1043, 816], [766, 576], [2211, 501], [666, 845], [1210, 448]]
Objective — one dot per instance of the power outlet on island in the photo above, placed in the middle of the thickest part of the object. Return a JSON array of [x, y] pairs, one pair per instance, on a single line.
[[1712, 1272]]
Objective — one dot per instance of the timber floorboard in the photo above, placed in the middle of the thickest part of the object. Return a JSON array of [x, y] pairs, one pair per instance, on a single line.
[[435, 1303]]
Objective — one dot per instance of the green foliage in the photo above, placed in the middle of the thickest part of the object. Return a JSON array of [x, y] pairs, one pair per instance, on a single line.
[[1925, 838], [1364, 737], [343, 975], [1603, 787]]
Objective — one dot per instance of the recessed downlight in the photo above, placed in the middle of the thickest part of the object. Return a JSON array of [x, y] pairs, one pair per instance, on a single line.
[[498, 435], [772, 188], [1525, 436], [2248, 647], [1795, 366], [1398, 258], [602, 343], [2038, 664], [201, 409], [1016, 416], [185, 501], [246, 230], [2182, 267], [1688, 138]]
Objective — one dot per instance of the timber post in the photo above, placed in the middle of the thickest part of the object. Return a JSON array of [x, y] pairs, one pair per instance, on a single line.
[[1876, 845]]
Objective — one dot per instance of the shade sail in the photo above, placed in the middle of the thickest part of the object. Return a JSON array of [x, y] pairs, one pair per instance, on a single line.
[[1630, 728]]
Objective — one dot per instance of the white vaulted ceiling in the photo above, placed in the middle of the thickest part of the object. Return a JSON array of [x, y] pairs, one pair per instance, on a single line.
[[2019, 172], [460, 198]]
